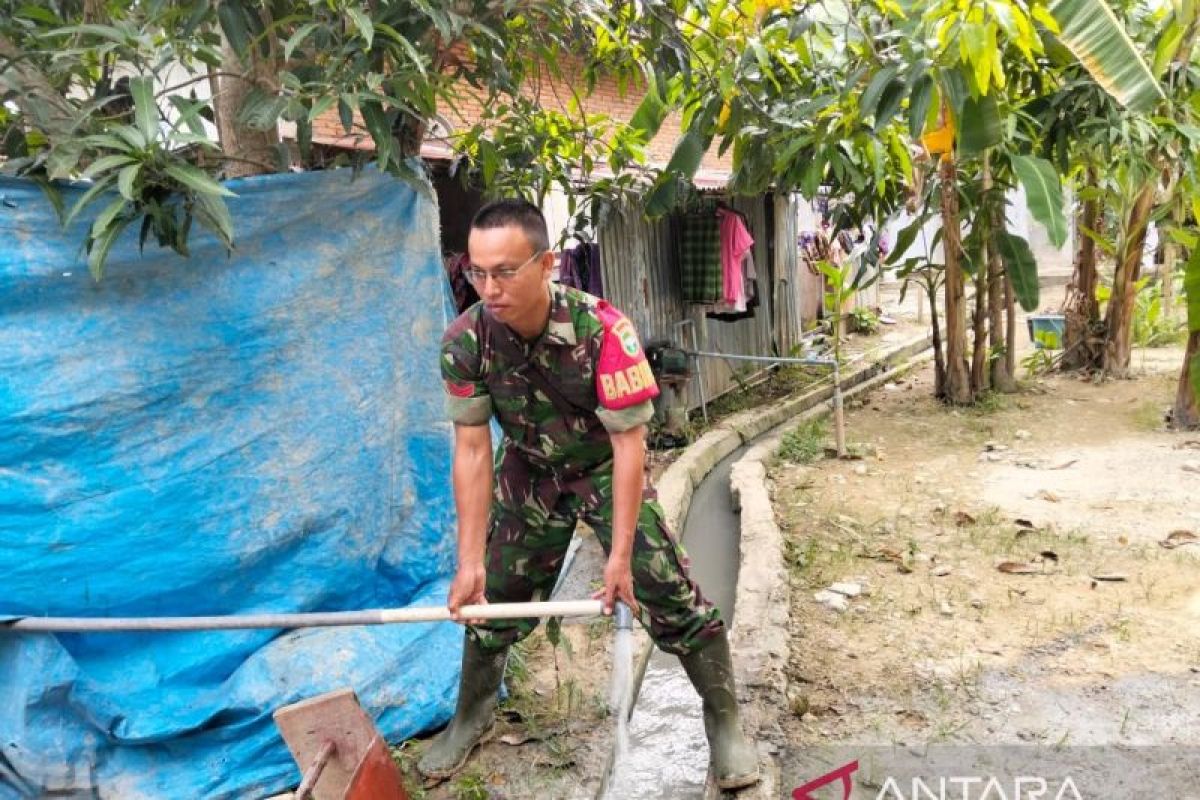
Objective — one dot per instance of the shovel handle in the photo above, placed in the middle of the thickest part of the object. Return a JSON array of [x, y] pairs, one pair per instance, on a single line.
[[554, 608], [313, 773], [378, 616]]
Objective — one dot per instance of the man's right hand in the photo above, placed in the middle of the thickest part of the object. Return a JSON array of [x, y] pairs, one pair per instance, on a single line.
[[467, 589]]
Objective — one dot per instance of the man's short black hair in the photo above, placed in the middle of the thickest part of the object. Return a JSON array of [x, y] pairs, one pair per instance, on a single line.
[[518, 213]]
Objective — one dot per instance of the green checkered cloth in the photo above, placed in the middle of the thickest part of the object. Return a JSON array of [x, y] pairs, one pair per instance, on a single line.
[[700, 258]]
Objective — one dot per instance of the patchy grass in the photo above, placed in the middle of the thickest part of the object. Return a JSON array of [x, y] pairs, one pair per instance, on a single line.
[[783, 382], [1148, 416], [991, 403], [406, 754], [805, 443], [469, 786]]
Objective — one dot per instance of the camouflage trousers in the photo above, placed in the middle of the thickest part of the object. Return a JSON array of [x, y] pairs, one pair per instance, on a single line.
[[533, 517]]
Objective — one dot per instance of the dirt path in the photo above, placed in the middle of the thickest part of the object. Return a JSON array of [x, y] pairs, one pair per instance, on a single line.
[[1072, 481]]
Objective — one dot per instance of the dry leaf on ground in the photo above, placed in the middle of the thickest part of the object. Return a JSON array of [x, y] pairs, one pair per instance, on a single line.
[[1019, 568], [1179, 539]]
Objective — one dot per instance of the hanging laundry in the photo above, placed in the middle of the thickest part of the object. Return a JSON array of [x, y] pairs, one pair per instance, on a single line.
[[700, 258], [736, 242], [732, 313], [461, 289], [580, 269]]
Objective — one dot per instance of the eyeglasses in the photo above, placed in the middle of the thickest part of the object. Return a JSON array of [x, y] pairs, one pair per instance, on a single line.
[[500, 276]]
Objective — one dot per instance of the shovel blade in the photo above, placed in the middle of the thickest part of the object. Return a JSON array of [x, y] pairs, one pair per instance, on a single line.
[[360, 768]]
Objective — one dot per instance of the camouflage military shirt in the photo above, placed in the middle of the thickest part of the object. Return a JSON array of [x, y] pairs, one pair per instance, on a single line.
[[483, 379]]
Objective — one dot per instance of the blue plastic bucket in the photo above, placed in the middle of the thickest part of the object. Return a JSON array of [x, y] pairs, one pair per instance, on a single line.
[[1046, 330]]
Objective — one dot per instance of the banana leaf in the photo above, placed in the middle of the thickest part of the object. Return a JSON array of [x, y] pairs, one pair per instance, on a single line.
[[1021, 266], [1043, 193], [1091, 31]]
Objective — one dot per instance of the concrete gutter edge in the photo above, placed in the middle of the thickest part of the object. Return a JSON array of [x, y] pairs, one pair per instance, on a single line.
[[759, 639], [763, 599], [679, 480]]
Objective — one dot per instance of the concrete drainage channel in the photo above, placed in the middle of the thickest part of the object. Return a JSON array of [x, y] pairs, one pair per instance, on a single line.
[[740, 564]]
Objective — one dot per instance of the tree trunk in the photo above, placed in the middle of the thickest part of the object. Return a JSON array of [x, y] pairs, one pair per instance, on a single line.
[[1118, 323], [1002, 342], [958, 379], [1080, 348], [1170, 259], [979, 343], [979, 351], [1010, 330], [1185, 415], [248, 151], [939, 359]]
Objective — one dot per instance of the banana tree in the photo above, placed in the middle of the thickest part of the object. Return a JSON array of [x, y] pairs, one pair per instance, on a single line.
[[1101, 42], [1185, 415], [989, 59], [1083, 133]]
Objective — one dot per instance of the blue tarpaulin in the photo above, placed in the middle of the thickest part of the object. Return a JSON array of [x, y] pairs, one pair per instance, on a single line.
[[260, 432]]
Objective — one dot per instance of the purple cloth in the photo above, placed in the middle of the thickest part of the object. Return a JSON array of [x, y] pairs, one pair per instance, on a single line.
[[580, 269]]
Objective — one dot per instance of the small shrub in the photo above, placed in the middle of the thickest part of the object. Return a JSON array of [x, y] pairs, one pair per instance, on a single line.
[[1152, 327], [864, 321], [1039, 361], [805, 443]]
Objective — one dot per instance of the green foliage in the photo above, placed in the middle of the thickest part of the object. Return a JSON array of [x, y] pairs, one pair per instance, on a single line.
[[1151, 327], [1191, 289], [805, 443], [1038, 361], [1043, 193], [981, 125], [469, 785], [1091, 30], [1047, 340], [387, 69], [1193, 366], [1021, 267], [864, 321], [841, 282]]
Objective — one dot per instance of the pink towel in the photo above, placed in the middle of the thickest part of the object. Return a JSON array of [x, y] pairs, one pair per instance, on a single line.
[[736, 242]]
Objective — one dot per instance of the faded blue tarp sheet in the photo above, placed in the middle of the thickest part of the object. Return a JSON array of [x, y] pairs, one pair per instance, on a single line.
[[219, 435]]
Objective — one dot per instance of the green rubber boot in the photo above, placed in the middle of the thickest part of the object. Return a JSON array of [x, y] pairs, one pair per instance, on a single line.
[[734, 759], [474, 715]]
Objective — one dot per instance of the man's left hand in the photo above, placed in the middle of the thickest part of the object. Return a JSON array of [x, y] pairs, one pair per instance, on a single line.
[[618, 585]]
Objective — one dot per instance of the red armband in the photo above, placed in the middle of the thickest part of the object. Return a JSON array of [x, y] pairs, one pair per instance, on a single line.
[[623, 377]]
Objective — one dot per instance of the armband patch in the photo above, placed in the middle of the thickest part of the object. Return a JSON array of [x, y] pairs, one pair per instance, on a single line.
[[460, 389], [623, 376]]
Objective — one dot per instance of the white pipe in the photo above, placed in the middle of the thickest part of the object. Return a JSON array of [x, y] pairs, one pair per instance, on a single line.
[[378, 616]]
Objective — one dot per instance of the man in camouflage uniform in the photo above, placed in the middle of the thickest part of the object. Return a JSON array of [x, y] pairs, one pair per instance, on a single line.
[[564, 375]]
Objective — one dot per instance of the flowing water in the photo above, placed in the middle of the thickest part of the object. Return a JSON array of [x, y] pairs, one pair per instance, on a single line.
[[621, 695], [663, 752]]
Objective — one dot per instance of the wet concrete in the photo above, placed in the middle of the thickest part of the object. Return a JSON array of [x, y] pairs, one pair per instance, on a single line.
[[668, 754]]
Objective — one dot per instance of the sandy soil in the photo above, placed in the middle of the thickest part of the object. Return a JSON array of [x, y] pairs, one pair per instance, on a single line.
[[1070, 482], [551, 735]]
